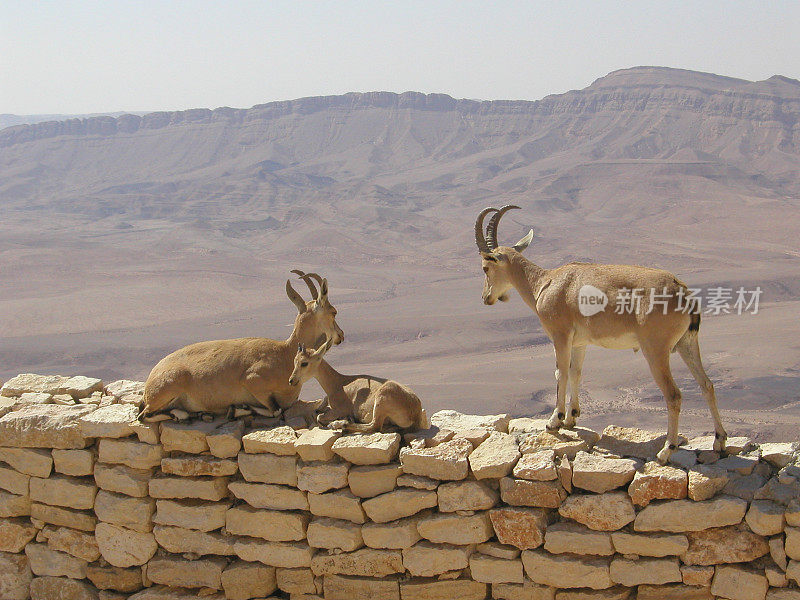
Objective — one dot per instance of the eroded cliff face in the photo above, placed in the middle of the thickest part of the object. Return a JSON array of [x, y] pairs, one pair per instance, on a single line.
[[94, 504]]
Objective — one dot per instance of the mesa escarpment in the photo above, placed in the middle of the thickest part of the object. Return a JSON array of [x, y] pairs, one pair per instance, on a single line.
[[95, 504]]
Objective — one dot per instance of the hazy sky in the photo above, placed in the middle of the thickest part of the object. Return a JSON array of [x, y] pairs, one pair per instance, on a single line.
[[80, 56]]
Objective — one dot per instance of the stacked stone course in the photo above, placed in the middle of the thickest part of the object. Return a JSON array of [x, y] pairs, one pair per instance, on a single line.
[[95, 505]]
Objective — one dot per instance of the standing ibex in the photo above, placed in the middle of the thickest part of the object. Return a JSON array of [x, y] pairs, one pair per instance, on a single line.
[[212, 376], [369, 401], [555, 295]]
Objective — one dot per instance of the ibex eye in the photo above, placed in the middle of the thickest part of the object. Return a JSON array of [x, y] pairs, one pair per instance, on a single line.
[[303, 364], [486, 270]]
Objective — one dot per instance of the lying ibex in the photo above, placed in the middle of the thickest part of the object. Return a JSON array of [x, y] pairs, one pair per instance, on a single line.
[[369, 401], [562, 299], [212, 376]]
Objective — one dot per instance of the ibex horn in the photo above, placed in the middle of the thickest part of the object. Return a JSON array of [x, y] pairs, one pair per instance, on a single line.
[[491, 228], [311, 287], [480, 239]]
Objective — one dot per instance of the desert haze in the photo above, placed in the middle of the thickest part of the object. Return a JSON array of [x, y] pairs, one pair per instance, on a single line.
[[122, 239]]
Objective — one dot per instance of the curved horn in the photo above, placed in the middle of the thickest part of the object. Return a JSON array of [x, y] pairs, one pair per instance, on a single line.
[[296, 298], [491, 228], [320, 281], [311, 287], [483, 245]]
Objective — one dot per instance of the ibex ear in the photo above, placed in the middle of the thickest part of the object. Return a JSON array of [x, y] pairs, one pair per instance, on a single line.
[[524, 242], [323, 289], [324, 348], [296, 299]]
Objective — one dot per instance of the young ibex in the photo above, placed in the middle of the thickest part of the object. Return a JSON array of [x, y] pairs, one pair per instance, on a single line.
[[370, 402], [212, 376], [657, 326]]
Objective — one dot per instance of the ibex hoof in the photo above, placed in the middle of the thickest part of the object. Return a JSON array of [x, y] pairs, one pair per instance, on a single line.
[[719, 443], [663, 456]]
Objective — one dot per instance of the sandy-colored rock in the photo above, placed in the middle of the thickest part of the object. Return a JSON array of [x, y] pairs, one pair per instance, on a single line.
[[115, 578], [656, 482], [15, 576], [653, 571], [319, 477], [784, 594], [315, 444], [563, 443], [45, 562], [122, 479], [400, 503], [111, 421], [527, 425], [79, 544], [162, 592], [566, 537], [397, 535], [697, 575], [466, 495], [44, 426], [792, 544], [203, 488], [298, 581], [279, 440], [191, 514], [14, 505], [521, 492], [523, 528], [179, 572], [226, 440], [498, 550], [706, 481], [687, 515], [61, 588], [135, 455], [792, 513], [418, 482], [271, 525], [77, 463], [566, 571], [244, 580], [15, 533], [60, 490], [463, 589], [600, 474], [130, 512], [779, 454], [186, 437], [425, 559], [673, 591], [180, 540], [269, 496], [368, 448], [30, 461], [489, 569], [793, 571], [342, 587], [451, 528], [455, 421], [199, 466], [523, 591], [537, 466], [124, 547], [742, 465], [447, 461], [602, 512], [775, 577], [777, 552], [372, 480], [334, 534], [649, 544], [366, 562], [339, 504], [783, 489], [124, 387], [77, 387], [65, 517], [739, 583], [629, 441], [13, 481], [495, 457], [269, 468], [765, 517]]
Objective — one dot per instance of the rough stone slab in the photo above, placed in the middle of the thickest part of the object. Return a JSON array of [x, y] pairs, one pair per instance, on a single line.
[[466, 495], [334, 534], [630, 441], [366, 562], [279, 440], [697, 575], [30, 461], [368, 448], [179, 572], [199, 466], [394, 535], [319, 477], [123, 547], [602, 512], [495, 570], [269, 496], [738, 583], [122, 479], [268, 468], [14, 481], [652, 571], [743, 465], [298, 581], [782, 492], [523, 528], [764, 517], [561, 538], [524, 591], [127, 511], [180, 540], [15, 576], [226, 440], [784, 594], [44, 426], [527, 425], [498, 550], [687, 515], [495, 457], [191, 514], [673, 591], [276, 554], [372, 480], [315, 444], [400, 503], [270, 525], [339, 504], [186, 437], [111, 421], [60, 490], [706, 481], [115, 578], [135, 455], [418, 482], [455, 421], [77, 387], [425, 559], [723, 545], [45, 562], [463, 589], [125, 387], [601, 474], [447, 461], [15, 533], [537, 466], [792, 543], [202, 488], [567, 571], [61, 588], [657, 482], [779, 454], [793, 571], [650, 544], [13, 505], [77, 463], [65, 517], [243, 580], [521, 492], [450, 528], [79, 544], [341, 587], [563, 443]]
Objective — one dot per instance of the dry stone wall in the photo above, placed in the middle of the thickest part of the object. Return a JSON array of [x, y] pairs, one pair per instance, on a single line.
[[94, 504]]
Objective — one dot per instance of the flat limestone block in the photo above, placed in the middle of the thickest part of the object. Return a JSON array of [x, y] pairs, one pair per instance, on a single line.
[[446, 461], [112, 421], [456, 421], [45, 426], [368, 449], [34, 462], [687, 515]]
